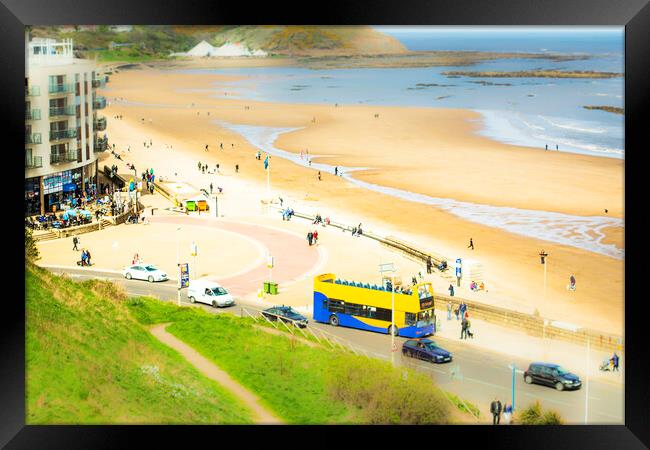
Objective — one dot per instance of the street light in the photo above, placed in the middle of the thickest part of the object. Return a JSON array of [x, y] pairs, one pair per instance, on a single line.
[[587, 383], [543, 255], [178, 264], [390, 267]]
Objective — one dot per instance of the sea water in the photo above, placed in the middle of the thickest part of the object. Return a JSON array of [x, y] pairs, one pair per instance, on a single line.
[[535, 112]]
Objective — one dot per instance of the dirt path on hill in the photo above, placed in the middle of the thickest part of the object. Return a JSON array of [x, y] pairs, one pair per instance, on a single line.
[[262, 415]]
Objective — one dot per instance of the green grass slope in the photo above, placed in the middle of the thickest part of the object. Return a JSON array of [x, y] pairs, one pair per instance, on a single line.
[[88, 361]]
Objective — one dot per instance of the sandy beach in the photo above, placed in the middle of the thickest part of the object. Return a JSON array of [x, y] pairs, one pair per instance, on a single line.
[[435, 152]]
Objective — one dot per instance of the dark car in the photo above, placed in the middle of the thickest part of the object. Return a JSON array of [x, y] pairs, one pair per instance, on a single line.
[[425, 349], [551, 375], [286, 314]]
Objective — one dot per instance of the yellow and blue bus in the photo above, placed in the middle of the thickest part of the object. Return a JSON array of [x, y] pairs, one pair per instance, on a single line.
[[368, 307]]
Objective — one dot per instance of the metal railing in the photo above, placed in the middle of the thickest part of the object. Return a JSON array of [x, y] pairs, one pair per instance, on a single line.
[[33, 162], [65, 88], [100, 144], [33, 138], [100, 81], [99, 102], [58, 135], [62, 111], [32, 91], [59, 158], [99, 124], [33, 114]]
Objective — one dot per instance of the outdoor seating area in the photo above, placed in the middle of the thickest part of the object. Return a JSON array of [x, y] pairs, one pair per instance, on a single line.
[[375, 287]]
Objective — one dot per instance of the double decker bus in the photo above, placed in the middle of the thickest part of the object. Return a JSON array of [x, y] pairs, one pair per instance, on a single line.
[[368, 306]]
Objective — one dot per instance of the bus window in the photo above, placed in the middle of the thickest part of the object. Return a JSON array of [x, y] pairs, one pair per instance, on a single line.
[[352, 309], [336, 305]]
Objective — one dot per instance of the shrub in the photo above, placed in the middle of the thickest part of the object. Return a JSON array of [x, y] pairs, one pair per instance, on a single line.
[[533, 415], [31, 251]]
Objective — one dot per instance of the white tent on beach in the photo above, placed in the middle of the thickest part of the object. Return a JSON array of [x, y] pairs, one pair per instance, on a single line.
[[204, 49]]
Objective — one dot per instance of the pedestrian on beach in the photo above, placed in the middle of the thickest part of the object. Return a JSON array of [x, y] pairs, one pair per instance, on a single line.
[[221, 145], [572, 283], [448, 310], [199, 166], [557, 148], [75, 241], [336, 171], [507, 413], [281, 201], [471, 244], [451, 290], [206, 147], [217, 168], [495, 409], [319, 177], [232, 146], [236, 168]]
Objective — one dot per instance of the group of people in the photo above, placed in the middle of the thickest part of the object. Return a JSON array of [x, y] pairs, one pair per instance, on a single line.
[[611, 364], [85, 253], [312, 237], [474, 286], [319, 220], [357, 231], [496, 408], [287, 213], [150, 178]]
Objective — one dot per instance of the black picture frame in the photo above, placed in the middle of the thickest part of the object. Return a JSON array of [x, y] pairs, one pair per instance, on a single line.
[[15, 14]]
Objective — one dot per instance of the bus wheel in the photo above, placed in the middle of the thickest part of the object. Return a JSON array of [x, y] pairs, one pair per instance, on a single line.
[[334, 321], [395, 330]]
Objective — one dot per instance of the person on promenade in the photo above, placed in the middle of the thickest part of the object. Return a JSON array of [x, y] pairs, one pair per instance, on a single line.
[[414, 280], [75, 241], [211, 187], [217, 168], [448, 310], [429, 265], [463, 328], [456, 312], [471, 244], [468, 327], [495, 409], [451, 290], [614, 361], [83, 258], [315, 236], [310, 236], [507, 413], [88, 258], [199, 165]]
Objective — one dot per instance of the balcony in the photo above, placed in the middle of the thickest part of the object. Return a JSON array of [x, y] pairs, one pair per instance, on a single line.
[[99, 124], [60, 89], [99, 102], [32, 91], [33, 138], [100, 144], [100, 81], [59, 135], [62, 111], [33, 162], [67, 156], [33, 114]]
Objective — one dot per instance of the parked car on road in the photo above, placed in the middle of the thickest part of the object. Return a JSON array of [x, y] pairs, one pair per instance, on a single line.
[[426, 350], [142, 271], [209, 292], [551, 375], [287, 314]]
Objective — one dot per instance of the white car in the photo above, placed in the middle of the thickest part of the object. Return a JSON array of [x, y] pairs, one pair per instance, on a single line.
[[209, 292], [143, 271]]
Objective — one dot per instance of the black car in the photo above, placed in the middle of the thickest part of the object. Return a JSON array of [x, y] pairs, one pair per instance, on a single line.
[[286, 314], [551, 375], [426, 350]]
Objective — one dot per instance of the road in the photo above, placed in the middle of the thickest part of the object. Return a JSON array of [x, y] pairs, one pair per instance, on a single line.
[[475, 375]]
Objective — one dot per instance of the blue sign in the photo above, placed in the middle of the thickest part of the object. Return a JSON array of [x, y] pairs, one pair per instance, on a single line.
[[69, 187], [185, 275], [459, 265]]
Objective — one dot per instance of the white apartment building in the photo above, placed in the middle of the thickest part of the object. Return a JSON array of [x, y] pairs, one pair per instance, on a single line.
[[63, 130]]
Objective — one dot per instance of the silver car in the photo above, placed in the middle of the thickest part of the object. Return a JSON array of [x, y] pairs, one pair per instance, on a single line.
[[147, 272]]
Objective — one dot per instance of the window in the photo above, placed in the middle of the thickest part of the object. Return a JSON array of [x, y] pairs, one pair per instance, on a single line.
[[208, 292], [410, 318], [336, 306], [352, 309]]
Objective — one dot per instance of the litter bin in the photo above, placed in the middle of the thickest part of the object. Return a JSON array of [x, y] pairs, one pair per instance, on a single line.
[[191, 205], [266, 287], [273, 288]]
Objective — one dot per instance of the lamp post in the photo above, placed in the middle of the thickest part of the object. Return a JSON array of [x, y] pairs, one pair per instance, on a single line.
[[383, 268], [178, 264], [587, 384], [543, 255]]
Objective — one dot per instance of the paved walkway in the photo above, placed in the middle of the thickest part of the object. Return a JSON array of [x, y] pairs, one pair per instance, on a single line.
[[262, 415], [293, 258]]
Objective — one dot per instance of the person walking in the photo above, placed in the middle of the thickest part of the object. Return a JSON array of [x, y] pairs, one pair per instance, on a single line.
[[448, 310], [88, 257], [463, 328], [336, 171], [456, 311], [315, 236], [310, 237], [75, 241], [507, 413], [615, 362], [451, 290], [221, 145], [557, 148], [319, 177], [471, 244], [495, 409], [236, 168], [572, 283], [546, 147], [211, 187], [429, 265], [217, 168]]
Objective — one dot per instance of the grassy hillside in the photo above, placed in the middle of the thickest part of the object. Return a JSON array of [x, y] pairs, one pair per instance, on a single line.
[[89, 362], [302, 384], [148, 42]]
